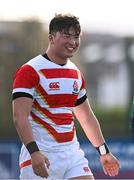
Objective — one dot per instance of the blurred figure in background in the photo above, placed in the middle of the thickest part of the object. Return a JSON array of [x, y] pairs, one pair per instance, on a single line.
[[47, 91]]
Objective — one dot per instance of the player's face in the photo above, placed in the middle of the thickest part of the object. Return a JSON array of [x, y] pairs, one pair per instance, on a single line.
[[66, 43]]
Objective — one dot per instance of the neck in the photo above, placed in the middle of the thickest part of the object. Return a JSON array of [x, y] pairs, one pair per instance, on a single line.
[[55, 58]]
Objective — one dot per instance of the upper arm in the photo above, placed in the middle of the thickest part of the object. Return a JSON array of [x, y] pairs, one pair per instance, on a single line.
[[26, 77], [83, 111], [25, 81], [22, 107]]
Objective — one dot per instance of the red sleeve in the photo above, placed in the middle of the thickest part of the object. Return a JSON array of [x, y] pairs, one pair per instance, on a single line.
[[26, 77]]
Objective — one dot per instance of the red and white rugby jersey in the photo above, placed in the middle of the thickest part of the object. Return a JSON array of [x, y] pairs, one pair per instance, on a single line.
[[55, 90]]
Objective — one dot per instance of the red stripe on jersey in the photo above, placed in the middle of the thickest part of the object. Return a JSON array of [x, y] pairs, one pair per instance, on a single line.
[[58, 119], [26, 77], [59, 137], [60, 73], [57, 100], [25, 163]]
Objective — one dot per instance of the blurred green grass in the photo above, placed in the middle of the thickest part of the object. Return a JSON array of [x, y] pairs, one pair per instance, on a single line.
[[114, 122]]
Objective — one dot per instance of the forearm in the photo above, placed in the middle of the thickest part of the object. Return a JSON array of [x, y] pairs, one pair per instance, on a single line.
[[92, 130], [24, 129], [21, 110], [89, 123]]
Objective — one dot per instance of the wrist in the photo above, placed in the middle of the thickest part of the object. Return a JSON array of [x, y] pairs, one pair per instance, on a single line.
[[32, 147], [103, 149]]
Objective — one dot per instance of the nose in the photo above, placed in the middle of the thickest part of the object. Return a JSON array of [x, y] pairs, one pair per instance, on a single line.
[[72, 41]]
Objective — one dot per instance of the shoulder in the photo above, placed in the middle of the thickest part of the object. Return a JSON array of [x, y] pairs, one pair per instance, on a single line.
[[36, 62], [27, 70], [72, 65]]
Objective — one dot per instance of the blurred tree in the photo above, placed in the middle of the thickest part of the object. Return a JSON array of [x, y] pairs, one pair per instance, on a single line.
[[22, 41], [129, 43]]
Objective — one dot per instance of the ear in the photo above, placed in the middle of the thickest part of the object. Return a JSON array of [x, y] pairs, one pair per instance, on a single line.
[[51, 38]]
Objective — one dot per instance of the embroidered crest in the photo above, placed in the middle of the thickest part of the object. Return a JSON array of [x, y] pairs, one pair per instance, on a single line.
[[75, 87]]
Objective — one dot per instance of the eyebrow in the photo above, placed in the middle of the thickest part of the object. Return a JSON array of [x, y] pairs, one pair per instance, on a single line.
[[67, 33]]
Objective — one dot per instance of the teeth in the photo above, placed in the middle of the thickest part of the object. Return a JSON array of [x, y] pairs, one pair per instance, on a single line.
[[71, 49]]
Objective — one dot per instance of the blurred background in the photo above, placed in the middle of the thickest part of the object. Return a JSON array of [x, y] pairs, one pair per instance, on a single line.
[[106, 58]]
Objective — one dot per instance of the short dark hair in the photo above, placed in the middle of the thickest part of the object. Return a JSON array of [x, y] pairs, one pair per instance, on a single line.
[[63, 23]]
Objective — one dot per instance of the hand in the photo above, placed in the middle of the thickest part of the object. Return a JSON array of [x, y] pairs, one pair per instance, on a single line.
[[110, 164], [40, 163]]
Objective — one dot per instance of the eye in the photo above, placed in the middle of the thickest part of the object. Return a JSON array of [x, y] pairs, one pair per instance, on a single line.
[[67, 35], [76, 37]]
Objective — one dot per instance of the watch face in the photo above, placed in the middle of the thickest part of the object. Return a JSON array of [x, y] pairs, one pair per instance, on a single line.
[[102, 150]]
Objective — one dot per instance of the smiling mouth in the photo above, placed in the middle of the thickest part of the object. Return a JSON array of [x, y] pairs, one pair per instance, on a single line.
[[71, 49]]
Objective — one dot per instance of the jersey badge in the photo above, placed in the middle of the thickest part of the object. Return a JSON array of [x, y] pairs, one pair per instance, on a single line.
[[75, 87]]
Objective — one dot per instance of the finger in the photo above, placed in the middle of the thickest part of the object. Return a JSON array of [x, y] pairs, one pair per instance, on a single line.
[[41, 171], [105, 171], [111, 172], [47, 163], [112, 169], [116, 168], [44, 171], [108, 171]]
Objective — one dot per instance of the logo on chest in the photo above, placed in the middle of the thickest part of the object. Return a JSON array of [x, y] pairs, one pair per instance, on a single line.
[[54, 86], [75, 88]]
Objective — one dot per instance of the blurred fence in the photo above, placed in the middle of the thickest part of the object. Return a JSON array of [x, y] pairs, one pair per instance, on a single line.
[[9, 156], [123, 149]]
